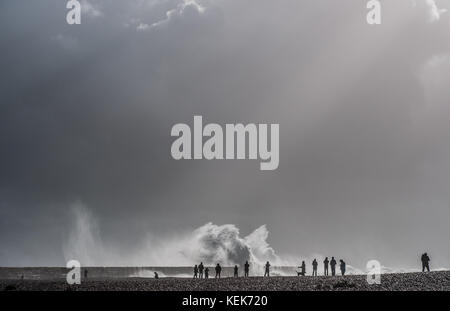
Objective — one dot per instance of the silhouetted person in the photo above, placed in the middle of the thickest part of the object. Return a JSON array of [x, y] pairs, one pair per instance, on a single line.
[[302, 269], [156, 275], [22, 277], [325, 266], [236, 269], [342, 265], [85, 273], [200, 270], [333, 266], [425, 262], [206, 273], [246, 268], [314, 264], [218, 270], [195, 272], [267, 272]]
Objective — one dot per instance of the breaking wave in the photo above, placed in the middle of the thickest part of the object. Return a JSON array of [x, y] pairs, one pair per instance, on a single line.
[[209, 244], [212, 243]]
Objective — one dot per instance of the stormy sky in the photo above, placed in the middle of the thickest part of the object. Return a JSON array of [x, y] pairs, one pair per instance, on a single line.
[[364, 111]]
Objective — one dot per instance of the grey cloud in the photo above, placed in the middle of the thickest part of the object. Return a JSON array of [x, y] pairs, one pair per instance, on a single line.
[[363, 124]]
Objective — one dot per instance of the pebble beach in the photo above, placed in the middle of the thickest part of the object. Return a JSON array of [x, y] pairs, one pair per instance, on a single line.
[[432, 281]]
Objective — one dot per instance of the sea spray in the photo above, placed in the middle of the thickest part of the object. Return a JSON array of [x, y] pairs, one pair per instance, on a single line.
[[84, 242], [209, 244]]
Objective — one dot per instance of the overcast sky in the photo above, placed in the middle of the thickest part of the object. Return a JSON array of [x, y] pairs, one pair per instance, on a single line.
[[364, 111]]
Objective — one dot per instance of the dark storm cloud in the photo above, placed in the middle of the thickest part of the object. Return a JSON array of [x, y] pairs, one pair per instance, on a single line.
[[86, 113]]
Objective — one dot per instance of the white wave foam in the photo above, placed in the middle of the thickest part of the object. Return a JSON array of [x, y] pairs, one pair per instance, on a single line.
[[209, 244]]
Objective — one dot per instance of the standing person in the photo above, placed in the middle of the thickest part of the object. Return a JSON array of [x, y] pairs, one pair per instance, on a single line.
[[218, 270], [302, 269], [314, 264], [206, 273], [342, 267], [195, 272], [425, 262], [85, 274], [333, 266], [236, 274], [200, 270], [267, 272], [246, 268], [325, 266]]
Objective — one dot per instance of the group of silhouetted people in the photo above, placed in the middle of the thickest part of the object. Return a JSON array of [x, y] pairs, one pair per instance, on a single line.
[[200, 269], [332, 263], [201, 272]]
